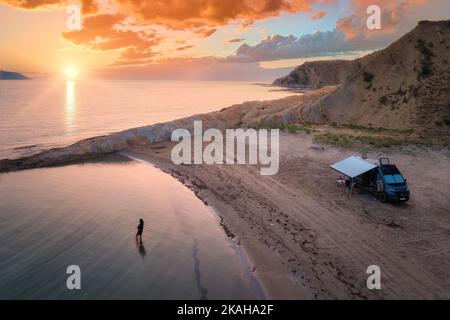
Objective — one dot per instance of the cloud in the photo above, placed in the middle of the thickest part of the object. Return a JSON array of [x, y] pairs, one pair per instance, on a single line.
[[184, 48], [345, 25], [318, 15], [136, 54], [235, 40], [393, 13], [35, 4], [131, 63], [88, 6], [202, 68], [351, 33], [203, 32], [278, 47], [183, 14], [102, 32]]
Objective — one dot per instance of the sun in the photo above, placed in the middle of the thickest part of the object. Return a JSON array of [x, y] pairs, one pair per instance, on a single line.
[[71, 72]]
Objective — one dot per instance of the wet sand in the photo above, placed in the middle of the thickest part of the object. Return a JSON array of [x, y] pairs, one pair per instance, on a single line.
[[309, 240]]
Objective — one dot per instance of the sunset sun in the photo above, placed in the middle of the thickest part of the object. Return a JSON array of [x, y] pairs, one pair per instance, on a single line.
[[71, 72]]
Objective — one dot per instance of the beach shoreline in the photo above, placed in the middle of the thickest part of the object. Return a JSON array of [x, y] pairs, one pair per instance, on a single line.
[[273, 285]]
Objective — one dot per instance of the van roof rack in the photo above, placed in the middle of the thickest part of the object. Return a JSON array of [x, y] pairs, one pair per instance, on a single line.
[[384, 161]]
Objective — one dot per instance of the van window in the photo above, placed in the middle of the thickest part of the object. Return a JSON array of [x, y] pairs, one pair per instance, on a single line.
[[394, 179]]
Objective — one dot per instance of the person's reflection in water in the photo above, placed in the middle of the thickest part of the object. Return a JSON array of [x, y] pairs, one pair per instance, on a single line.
[[141, 248]]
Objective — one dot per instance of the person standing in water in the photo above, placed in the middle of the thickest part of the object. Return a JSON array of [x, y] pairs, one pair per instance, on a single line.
[[140, 228]]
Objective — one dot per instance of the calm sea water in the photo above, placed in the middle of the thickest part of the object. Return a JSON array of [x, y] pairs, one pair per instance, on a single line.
[[38, 114], [86, 215]]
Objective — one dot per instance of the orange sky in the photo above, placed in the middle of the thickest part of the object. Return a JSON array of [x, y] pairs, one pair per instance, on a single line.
[[122, 36]]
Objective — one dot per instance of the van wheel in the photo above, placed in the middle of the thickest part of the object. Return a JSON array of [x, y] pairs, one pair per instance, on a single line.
[[383, 197]]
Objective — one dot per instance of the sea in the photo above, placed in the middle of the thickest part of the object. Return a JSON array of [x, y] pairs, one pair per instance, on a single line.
[[40, 114]]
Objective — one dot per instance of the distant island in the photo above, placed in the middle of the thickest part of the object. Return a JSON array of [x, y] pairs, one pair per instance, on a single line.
[[7, 75]]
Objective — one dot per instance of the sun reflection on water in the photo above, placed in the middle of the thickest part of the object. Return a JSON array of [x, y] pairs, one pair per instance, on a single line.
[[70, 106]]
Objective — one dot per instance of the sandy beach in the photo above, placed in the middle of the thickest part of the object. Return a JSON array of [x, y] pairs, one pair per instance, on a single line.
[[307, 239]]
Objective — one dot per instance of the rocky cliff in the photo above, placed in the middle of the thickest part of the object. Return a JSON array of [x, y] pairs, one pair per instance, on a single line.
[[316, 74], [405, 86]]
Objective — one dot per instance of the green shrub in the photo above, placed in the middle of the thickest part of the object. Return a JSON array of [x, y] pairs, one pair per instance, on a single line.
[[368, 77], [384, 100], [291, 127], [426, 61]]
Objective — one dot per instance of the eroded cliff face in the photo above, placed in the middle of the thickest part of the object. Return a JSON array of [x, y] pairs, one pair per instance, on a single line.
[[405, 86], [317, 74]]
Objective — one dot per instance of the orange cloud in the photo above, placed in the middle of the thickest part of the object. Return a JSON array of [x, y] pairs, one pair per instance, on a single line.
[[200, 16], [35, 4], [88, 6], [184, 13], [184, 48], [345, 26], [205, 33], [131, 63], [195, 13], [392, 13], [318, 15], [135, 57], [136, 54], [100, 32], [235, 40]]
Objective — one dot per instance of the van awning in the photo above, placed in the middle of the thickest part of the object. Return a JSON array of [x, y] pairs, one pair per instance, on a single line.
[[353, 166]]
